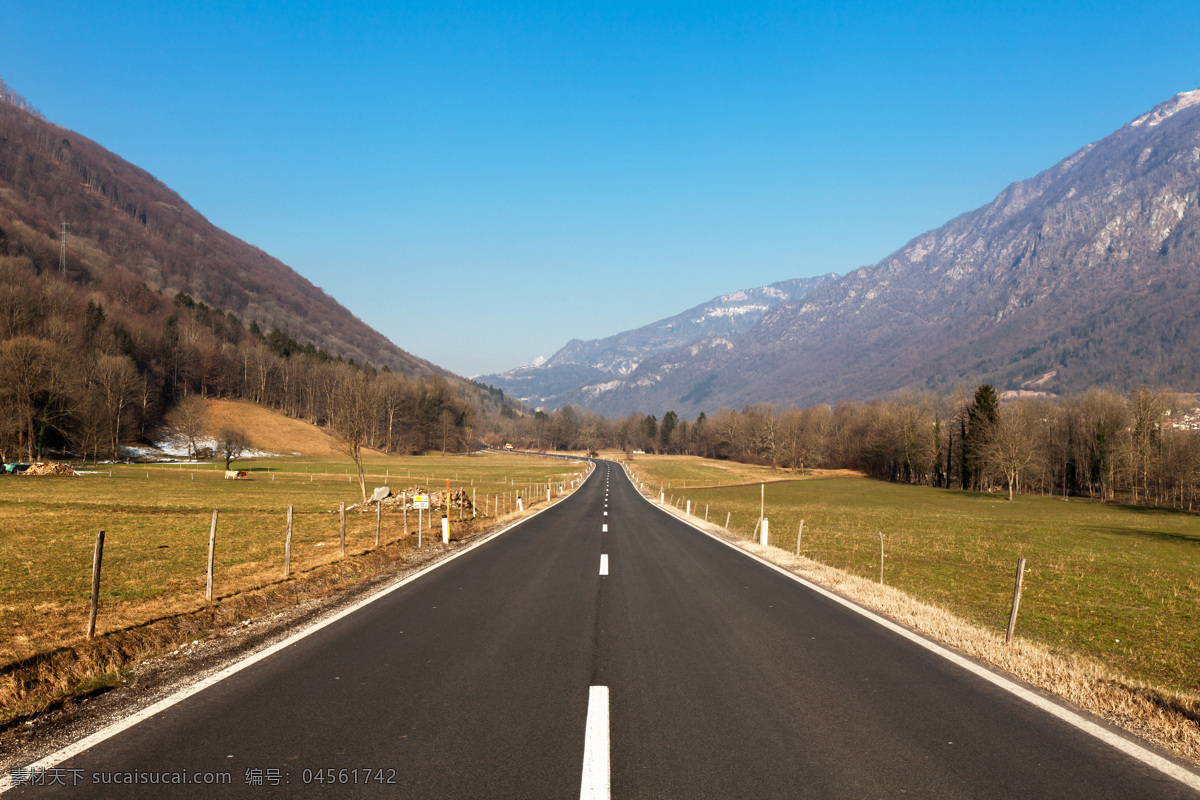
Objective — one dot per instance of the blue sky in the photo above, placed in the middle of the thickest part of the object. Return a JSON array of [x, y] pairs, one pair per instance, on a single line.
[[483, 181]]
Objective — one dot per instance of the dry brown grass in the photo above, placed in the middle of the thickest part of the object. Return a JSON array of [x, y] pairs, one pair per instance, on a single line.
[[49, 679], [1170, 720], [272, 432], [690, 472]]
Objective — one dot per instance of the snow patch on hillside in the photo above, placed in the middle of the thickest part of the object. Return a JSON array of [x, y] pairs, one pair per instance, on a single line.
[[1168, 109], [733, 311]]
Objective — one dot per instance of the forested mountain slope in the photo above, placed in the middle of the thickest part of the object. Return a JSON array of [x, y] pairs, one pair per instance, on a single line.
[[94, 356], [121, 217]]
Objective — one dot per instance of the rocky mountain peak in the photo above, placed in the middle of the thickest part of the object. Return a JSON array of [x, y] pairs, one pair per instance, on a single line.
[[1167, 109]]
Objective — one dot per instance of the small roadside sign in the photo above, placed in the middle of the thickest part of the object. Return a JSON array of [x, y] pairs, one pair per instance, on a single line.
[[421, 502]]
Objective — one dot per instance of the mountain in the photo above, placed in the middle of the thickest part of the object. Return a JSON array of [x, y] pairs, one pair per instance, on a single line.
[[581, 370], [1086, 274], [123, 220]]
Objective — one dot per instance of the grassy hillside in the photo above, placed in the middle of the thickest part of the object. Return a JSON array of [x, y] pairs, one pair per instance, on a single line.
[[272, 432]]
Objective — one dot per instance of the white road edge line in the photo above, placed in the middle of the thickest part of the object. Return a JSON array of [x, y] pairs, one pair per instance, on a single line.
[[1147, 757], [86, 743], [604, 563], [597, 782]]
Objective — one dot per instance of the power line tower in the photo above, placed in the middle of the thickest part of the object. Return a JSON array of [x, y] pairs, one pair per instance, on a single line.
[[62, 251]]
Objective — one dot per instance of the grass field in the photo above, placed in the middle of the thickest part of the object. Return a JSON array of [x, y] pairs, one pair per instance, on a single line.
[[682, 472], [1118, 584], [157, 519]]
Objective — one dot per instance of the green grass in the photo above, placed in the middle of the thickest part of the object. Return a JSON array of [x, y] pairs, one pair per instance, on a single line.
[[157, 519], [1117, 583]]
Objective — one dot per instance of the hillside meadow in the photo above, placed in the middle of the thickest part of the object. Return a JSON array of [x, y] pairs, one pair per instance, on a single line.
[[1114, 583]]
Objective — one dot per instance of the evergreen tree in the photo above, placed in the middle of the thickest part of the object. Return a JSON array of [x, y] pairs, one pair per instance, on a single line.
[[981, 418], [650, 431], [669, 421]]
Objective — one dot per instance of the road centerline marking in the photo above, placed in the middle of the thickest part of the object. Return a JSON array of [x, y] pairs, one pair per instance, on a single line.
[[596, 783], [604, 563]]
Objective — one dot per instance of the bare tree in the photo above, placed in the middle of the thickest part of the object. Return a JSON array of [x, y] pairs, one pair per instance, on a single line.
[[191, 420], [117, 379], [354, 413], [91, 421], [1012, 446], [1147, 408], [232, 444], [29, 379], [446, 427], [803, 436]]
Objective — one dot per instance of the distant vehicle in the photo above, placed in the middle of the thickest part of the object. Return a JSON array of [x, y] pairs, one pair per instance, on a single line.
[[508, 447]]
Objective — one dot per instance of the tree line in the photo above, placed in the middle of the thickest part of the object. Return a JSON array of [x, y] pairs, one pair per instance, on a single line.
[[1136, 447], [92, 368]]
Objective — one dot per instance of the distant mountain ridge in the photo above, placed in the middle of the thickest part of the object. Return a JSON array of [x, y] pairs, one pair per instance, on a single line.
[[582, 368], [1085, 274], [122, 218]]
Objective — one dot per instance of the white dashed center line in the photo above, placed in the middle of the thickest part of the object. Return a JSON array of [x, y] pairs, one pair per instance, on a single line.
[[596, 776]]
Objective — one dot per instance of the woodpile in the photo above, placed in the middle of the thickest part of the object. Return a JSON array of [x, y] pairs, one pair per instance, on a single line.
[[47, 468], [459, 498]]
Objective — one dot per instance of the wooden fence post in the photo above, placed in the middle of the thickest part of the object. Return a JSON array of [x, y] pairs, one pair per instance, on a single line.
[[378, 519], [727, 516], [1012, 617], [212, 548], [799, 536], [880, 558], [97, 557], [342, 528], [287, 546]]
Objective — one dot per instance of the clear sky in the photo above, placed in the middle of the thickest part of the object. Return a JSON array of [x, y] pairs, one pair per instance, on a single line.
[[482, 182]]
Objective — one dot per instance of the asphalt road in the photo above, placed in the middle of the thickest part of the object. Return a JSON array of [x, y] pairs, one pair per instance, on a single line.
[[725, 679]]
